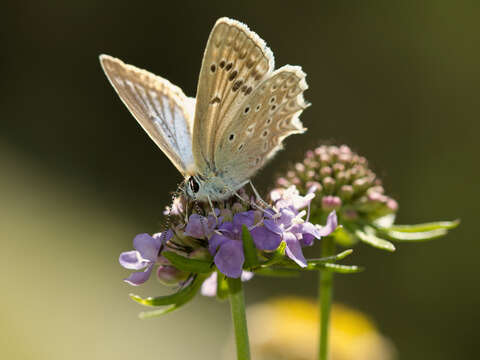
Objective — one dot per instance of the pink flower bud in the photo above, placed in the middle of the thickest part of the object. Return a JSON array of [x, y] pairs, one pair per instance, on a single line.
[[330, 203], [169, 275]]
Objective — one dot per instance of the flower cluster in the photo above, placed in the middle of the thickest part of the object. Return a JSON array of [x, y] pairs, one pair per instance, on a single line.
[[200, 233], [342, 181]]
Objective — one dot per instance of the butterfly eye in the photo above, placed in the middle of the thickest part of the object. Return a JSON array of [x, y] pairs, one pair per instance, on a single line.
[[192, 183]]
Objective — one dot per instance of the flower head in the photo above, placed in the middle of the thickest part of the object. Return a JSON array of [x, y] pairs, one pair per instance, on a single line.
[[343, 182]]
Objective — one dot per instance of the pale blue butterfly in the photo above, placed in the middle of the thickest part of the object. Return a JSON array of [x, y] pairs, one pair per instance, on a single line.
[[243, 110]]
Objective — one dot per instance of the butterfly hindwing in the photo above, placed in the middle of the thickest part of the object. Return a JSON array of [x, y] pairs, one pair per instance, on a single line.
[[160, 107], [235, 62], [265, 118]]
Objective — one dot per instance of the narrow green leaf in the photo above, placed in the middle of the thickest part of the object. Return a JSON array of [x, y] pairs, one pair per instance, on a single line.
[[337, 257], [278, 255], [189, 265], [179, 298], [416, 236], [425, 227], [343, 269], [375, 241], [222, 286], [157, 313], [249, 249]]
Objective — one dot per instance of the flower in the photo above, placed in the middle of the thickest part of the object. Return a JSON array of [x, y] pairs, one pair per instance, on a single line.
[[341, 181], [226, 244], [287, 224], [201, 227], [145, 255]]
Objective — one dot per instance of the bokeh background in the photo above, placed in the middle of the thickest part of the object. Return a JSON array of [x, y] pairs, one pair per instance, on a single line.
[[398, 81]]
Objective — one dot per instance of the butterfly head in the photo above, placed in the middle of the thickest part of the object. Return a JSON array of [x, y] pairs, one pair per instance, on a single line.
[[201, 188], [194, 188]]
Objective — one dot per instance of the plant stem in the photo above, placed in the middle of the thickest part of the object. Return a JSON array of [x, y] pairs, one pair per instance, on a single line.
[[325, 294], [237, 306]]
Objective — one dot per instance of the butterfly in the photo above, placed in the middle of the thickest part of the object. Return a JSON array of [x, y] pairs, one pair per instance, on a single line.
[[243, 110]]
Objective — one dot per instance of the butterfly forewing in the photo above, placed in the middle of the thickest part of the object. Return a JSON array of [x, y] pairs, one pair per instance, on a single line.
[[161, 108], [235, 62], [265, 118]]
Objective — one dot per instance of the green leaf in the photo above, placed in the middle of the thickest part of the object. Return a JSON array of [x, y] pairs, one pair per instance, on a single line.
[[416, 236], [278, 272], [425, 227], [337, 257], [189, 265], [179, 298], [342, 269], [222, 286], [157, 313], [375, 241], [278, 255], [249, 249]]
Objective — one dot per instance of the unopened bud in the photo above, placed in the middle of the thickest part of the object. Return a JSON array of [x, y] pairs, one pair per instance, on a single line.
[[281, 181], [328, 184], [330, 203], [326, 171], [169, 275], [300, 167], [237, 208], [226, 214], [346, 192]]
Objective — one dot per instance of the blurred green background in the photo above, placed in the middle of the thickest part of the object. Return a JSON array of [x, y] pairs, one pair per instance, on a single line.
[[398, 81]]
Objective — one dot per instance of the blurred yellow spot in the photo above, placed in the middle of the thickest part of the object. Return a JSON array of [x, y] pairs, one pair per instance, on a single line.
[[287, 329]]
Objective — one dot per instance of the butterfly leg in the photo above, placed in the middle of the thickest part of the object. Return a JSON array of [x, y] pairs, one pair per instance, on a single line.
[[259, 198], [253, 204], [213, 209]]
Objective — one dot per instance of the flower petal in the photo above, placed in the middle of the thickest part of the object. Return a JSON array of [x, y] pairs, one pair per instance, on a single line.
[[244, 218], [209, 286], [215, 241], [138, 278], [197, 226], [330, 226], [309, 233], [272, 226], [265, 239], [147, 246], [294, 250], [132, 260], [230, 258], [247, 275], [163, 236]]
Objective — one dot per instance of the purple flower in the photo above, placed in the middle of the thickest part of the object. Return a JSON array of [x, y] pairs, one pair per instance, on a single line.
[[209, 286], [202, 227], [145, 255], [226, 244], [287, 225]]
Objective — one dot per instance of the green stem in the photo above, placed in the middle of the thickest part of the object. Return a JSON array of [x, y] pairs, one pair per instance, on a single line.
[[325, 294], [237, 306]]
